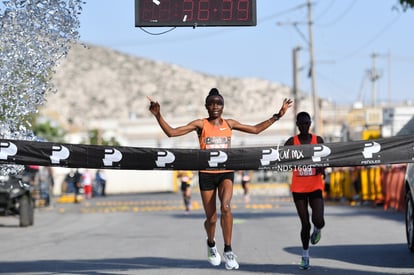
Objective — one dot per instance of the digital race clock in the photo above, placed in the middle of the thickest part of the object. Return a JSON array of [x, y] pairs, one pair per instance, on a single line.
[[194, 13]]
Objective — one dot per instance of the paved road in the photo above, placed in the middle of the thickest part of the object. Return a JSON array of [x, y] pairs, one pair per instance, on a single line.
[[149, 234]]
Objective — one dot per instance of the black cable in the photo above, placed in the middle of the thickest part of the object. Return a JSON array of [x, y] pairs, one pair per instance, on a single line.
[[342, 15], [160, 33]]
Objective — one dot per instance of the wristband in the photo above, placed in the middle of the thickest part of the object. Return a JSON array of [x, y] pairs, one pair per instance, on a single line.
[[276, 117]]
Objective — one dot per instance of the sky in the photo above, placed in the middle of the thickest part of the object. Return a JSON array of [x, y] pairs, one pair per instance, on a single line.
[[346, 36]]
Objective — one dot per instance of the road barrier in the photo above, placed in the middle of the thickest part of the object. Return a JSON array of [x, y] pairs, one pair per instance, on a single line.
[[377, 185]]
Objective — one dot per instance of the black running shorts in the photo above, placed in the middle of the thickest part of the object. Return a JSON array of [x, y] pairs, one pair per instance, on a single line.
[[317, 194], [211, 181]]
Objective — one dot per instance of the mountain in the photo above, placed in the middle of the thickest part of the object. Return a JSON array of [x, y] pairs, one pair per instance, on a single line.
[[99, 88], [99, 83]]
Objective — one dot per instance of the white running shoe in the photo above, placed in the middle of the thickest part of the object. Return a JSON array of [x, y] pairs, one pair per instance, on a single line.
[[230, 259], [213, 255]]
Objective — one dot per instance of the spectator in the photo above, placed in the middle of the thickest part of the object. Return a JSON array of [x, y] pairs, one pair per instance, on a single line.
[[86, 182], [72, 182], [100, 179]]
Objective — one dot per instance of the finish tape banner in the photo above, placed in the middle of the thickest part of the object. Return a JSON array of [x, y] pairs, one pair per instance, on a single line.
[[281, 158]]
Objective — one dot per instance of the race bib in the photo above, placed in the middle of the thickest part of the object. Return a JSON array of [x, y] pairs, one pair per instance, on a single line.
[[305, 171]]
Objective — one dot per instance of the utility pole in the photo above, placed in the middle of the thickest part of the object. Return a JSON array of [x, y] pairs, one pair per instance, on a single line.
[[389, 76], [312, 71], [309, 42], [374, 78], [295, 90]]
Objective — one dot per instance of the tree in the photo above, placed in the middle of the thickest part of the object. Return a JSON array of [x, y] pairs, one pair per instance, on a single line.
[[95, 138], [49, 132], [407, 4]]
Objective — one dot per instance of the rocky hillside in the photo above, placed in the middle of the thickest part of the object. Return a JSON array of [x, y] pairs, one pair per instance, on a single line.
[[95, 82]]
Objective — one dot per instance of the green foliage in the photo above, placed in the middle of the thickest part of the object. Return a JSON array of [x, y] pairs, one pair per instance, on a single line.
[[95, 138], [407, 4], [48, 132]]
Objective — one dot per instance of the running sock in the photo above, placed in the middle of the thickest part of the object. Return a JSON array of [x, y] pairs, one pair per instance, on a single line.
[[305, 253], [211, 244], [227, 248]]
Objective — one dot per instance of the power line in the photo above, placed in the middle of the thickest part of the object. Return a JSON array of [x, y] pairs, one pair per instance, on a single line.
[[340, 17], [325, 11], [267, 18], [403, 59], [375, 37]]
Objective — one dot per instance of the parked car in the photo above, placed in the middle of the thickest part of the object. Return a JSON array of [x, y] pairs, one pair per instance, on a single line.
[[16, 198], [409, 210]]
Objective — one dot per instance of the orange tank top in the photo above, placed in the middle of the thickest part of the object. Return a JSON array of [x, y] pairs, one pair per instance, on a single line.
[[215, 137], [304, 178]]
